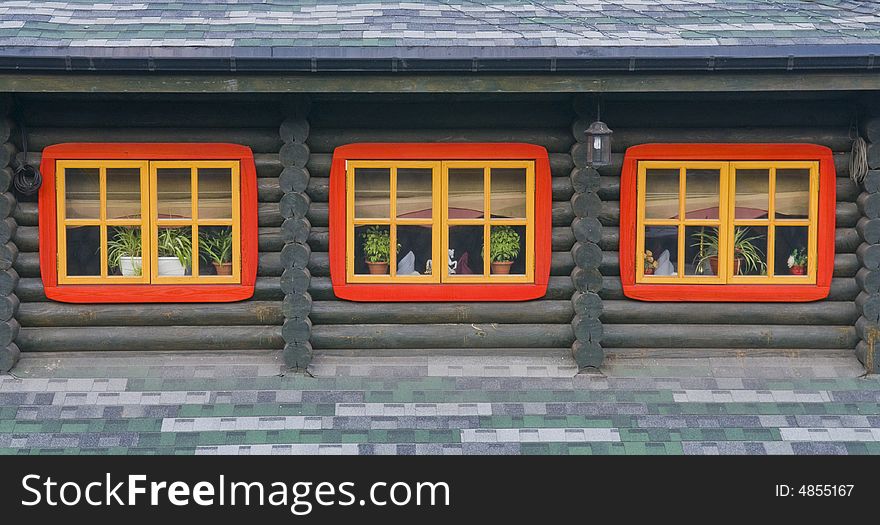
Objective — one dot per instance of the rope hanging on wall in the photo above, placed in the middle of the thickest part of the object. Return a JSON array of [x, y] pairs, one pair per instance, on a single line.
[[26, 179], [858, 160]]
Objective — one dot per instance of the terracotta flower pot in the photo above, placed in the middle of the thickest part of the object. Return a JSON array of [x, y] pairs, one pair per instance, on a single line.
[[649, 271], [713, 263], [223, 268], [797, 270], [501, 267], [377, 268]]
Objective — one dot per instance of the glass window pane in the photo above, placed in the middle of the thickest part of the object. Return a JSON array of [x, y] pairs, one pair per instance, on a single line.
[[124, 193], [83, 250], [507, 249], [174, 193], [752, 194], [792, 193], [415, 246], [215, 250], [661, 251], [124, 254], [174, 247], [508, 192], [791, 250], [466, 193], [372, 249], [465, 256], [372, 187], [701, 251], [414, 193], [702, 197], [749, 250], [82, 193], [215, 193], [661, 194]]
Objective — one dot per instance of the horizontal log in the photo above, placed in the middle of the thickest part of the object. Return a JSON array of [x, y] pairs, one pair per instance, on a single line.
[[739, 353], [869, 205], [186, 314], [872, 181], [819, 313], [558, 288], [268, 189], [344, 312], [297, 356], [297, 331], [868, 280], [8, 228], [837, 138], [8, 306], [325, 140], [871, 129], [841, 164], [260, 140], [869, 256], [6, 176], [8, 281], [842, 288], [297, 306], [847, 189], [294, 130], [442, 336], [9, 356], [295, 230], [294, 179], [868, 305], [133, 338], [874, 156], [27, 214], [265, 289], [728, 336], [866, 354], [869, 230], [588, 353]]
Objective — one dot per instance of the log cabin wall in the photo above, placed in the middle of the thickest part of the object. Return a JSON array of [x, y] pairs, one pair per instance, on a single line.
[[9, 327], [635, 328], [868, 277], [251, 324], [541, 327]]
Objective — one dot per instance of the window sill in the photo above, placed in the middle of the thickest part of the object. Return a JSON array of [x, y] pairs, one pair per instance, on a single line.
[[149, 293], [764, 293]]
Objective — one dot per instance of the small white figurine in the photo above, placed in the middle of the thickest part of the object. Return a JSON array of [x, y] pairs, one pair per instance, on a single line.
[[451, 262]]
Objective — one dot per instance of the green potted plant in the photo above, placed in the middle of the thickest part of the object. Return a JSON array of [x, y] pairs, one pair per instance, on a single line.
[[218, 247], [377, 250], [744, 249], [124, 251], [174, 247], [797, 261], [650, 263], [503, 249]]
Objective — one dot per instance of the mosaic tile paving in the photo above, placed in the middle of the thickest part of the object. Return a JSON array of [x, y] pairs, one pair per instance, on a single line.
[[246, 403]]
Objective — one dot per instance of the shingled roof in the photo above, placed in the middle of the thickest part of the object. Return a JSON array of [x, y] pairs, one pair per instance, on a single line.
[[34, 32]]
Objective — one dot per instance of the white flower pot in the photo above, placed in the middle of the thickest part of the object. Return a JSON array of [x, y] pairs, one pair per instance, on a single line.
[[130, 266], [171, 267]]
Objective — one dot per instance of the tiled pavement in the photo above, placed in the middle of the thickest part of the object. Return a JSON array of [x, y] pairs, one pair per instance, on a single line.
[[245, 403]]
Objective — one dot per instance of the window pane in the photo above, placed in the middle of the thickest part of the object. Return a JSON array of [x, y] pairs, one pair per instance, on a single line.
[[124, 251], [414, 192], [701, 251], [372, 187], [174, 246], [465, 255], [215, 250], [174, 193], [661, 251], [372, 249], [215, 193], [124, 193], [702, 197], [507, 248], [84, 250], [414, 252], [661, 194], [791, 250], [750, 250], [792, 193], [466, 193], [82, 193], [752, 190], [508, 192]]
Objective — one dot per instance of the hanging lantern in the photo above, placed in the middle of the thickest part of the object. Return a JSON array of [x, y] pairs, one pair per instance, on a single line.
[[598, 141]]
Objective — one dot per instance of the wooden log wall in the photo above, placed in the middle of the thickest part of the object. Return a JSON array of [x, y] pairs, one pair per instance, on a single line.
[[9, 327], [635, 328], [868, 276], [48, 326], [358, 329], [295, 255]]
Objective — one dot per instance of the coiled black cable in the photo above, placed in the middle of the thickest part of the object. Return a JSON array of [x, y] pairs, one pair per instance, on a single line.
[[26, 178]]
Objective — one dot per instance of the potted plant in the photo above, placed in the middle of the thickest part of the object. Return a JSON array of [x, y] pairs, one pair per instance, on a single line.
[[377, 250], [503, 249], [744, 249], [174, 247], [218, 247], [124, 251], [650, 263], [797, 261]]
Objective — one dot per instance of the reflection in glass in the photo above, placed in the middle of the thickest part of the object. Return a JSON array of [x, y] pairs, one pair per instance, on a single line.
[[174, 246], [414, 252], [414, 193], [750, 250], [174, 193], [215, 250], [507, 248], [123, 193], [701, 251], [124, 254], [372, 190], [372, 247], [792, 193], [83, 250], [661, 251], [82, 197], [215, 193], [508, 192], [465, 255], [661, 193], [790, 256], [466, 193], [702, 193], [752, 194]]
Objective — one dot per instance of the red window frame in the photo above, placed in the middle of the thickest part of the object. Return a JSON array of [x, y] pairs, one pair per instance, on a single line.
[[728, 292], [148, 293], [395, 292]]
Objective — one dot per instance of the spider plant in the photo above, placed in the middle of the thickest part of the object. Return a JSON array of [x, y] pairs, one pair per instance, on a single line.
[[175, 242], [217, 245], [126, 243], [744, 249]]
